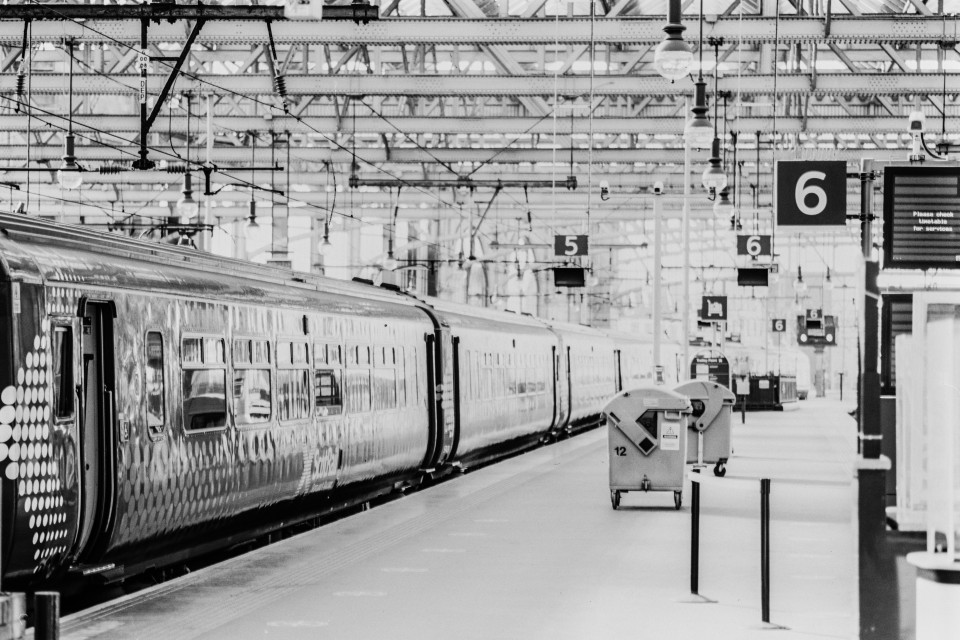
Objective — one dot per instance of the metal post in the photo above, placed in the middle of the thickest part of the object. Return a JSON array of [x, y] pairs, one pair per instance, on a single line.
[[743, 409], [46, 611], [685, 369], [765, 549], [695, 538], [657, 290]]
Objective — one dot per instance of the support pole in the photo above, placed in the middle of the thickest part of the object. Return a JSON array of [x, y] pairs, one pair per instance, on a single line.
[[765, 549], [685, 369], [46, 611], [695, 537], [657, 288]]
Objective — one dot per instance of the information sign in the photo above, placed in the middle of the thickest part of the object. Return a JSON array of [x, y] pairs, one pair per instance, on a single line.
[[921, 217], [811, 193], [713, 308], [712, 366], [568, 246], [778, 325]]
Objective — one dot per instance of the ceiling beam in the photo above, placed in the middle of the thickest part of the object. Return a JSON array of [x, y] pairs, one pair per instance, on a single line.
[[626, 30], [498, 85]]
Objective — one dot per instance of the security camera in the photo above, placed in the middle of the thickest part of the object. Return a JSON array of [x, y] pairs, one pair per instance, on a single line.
[[604, 190], [658, 188], [916, 120]]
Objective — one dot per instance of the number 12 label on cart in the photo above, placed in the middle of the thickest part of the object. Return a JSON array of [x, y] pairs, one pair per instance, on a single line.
[[811, 193]]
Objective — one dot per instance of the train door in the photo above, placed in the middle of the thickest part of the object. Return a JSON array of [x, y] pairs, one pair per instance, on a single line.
[[555, 387], [457, 396], [617, 372], [569, 388], [97, 421]]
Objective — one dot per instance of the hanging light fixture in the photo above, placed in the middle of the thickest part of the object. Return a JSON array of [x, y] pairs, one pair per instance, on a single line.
[[699, 132], [723, 206], [672, 58], [187, 208], [252, 217], [325, 244], [69, 174], [799, 285], [714, 177]]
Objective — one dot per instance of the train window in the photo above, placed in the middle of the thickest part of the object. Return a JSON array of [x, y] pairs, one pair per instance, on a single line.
[[204, 399], [156, 397], [357, 395], [62, 361], [411, 377], [300, 353], [252, 395], [327, 399], [293, 394], [385, 388], [401, 377], [334, 354], [283, 353], [380, 355], [192, 353], [319, 354], [363, 357], [241, 352], [260, 349], [213, 351]]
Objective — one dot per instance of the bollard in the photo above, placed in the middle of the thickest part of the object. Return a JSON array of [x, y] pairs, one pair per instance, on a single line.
[[765, 549], [695, 537], [743, 410], [46, 612]]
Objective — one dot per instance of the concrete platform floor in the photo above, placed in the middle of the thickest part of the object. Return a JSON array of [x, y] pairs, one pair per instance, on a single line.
[[530, 548]]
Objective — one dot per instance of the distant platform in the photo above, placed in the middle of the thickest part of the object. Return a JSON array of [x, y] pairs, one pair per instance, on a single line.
[[530, 548]]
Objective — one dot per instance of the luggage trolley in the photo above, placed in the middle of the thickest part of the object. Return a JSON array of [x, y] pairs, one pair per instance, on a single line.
[[647, 433]]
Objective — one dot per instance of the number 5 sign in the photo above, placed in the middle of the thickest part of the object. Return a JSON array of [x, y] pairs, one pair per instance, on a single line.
[[570, 245], [811, 193]]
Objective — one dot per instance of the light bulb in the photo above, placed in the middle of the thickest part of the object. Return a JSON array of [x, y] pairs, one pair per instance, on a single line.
[[187, 207], [672, 59], [723, 206], [69, 176]]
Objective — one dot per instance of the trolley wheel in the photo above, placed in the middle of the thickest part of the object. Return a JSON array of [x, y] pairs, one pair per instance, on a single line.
[[720, 470], [615, 499], [677, 500]]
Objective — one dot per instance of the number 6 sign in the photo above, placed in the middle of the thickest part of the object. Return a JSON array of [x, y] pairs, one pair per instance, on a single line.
[[811, 193]]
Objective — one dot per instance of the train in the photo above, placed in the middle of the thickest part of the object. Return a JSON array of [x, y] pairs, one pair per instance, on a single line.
[[158, 403]]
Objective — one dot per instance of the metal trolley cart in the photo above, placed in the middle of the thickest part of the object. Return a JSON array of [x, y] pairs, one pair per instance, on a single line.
[[709, 438], [647, 430]]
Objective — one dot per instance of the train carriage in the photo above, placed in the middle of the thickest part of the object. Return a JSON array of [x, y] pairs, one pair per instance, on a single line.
[[159, 403]]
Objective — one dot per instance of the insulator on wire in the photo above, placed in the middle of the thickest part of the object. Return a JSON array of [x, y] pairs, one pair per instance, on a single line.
[[109, 169], [176, 168], [280, 87]]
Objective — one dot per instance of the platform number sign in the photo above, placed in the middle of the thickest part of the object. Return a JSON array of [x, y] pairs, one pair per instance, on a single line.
[[778, 325], [754, 246], [811, 193], [570, 246]]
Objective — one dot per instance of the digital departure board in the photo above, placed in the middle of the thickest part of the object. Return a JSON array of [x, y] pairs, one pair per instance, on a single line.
[[921, 217]]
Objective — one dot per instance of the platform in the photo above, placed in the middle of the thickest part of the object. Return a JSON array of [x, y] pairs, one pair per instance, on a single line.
[[530, 548]]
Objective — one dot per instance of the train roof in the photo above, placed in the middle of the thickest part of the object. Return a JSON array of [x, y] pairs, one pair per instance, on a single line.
[[49, 250]]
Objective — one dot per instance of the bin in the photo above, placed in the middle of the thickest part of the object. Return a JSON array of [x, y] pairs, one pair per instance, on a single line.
[[709, 424], [647, 432]]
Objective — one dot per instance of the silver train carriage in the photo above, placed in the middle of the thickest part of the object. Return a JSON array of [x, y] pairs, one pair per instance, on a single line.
[[157, 403]]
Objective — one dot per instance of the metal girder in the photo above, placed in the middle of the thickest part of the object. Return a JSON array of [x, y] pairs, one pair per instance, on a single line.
[[401, 155], [109, 14], [628, 30], [490, 85], [466, 126]]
